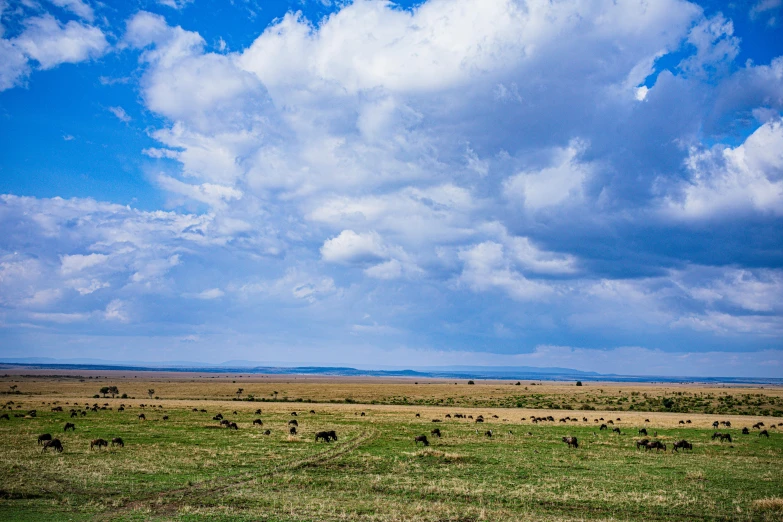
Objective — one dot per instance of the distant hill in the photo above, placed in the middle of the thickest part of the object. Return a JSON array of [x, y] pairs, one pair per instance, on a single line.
[[530, 373]]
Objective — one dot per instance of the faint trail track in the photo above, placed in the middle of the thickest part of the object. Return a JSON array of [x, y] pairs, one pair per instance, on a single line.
[[165, 501]]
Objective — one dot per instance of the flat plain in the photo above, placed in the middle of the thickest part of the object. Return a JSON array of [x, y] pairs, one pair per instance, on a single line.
[[188, 467]]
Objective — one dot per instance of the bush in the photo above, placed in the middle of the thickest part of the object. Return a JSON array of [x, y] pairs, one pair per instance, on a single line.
[[471, 382], [578, 383]]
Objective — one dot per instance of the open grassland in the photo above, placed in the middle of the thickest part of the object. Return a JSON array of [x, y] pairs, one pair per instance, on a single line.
[[189, 468]]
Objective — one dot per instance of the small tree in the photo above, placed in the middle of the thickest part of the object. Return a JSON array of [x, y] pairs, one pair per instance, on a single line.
[[239, 392], [471, 382], [114, 391], [578, 383], [150, 392], [104, 390]]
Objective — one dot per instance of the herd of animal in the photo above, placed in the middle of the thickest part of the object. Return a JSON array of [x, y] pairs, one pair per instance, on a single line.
[[47, 441]]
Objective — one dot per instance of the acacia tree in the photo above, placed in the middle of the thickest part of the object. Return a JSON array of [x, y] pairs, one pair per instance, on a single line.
[[114, 391]]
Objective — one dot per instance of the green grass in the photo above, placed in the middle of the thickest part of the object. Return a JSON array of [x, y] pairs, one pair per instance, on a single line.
[[185, 468]]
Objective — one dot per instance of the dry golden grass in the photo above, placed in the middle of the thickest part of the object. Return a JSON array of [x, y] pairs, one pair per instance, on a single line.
[[773, 505]]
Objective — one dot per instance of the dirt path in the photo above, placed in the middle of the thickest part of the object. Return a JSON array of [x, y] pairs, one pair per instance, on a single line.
[[167, 502]]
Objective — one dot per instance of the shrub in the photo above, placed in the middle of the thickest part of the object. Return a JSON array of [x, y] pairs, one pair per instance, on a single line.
[[471, 382], [578, 383]]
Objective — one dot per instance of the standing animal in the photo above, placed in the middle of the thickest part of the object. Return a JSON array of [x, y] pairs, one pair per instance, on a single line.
[[233, 425], [142, 416], [117, 441], [5, 416], [268, 432], [715, 424], [684, 444], [326, 436], [259, 422], [745, 431], [616, 430], [642, 443], [643, 431], [292, 431], [422, 439], [293, 422], [418, 415], [571, 441], [488, 433], [258, 411], [656, 445], [43, 438], [55, 444], [436, 432], [603, 427], [165, 417], [721, 436], [99, 443], [69, 425], [764, 433]]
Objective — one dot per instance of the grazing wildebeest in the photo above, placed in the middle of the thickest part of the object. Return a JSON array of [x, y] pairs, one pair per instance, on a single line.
[[268, 432], [219, 416], [745, 431], [293, 413], [44, 438], [225, 422], [727, 424], [117, 441], [436, 420], [233, 425], [684, 444], [5, 416], [603, 427], [326, 436], [55, 444], [258, 411], [682, 422], [641, 443], [362, 415], [571, 441], [643, 431], [121, 408], [610, 421], [448, 416], [292, 431], [764, 433], [418, 415], [715, 424], [98, 443], [688, 421], [656, 445], [84, 413], [165, 417], [57, 408], [721, 436], [646, 420], [758, 425], [142, 416], [293, 422], [235, 413], [488, 433], [259, 422], [617, 431], [479, 419], [435, 432], [74, 414], [422, 439], [70, 425], [312, 412]]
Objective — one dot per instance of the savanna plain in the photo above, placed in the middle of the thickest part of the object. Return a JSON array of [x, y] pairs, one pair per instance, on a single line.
[[179, 462]]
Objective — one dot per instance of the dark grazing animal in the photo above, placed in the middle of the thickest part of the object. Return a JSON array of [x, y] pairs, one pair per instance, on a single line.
[[99, 443], [758, 425], [225, 422], [715, 424], [721, 436], [292, 431], [764, 433], [616, 430], [571, 441], [69, 425], [488, 433], [258, 411], [479, 419], [43, 438], [684, 444], [603, 427], [165, 417], [268, 432], [643, 431], [418, 415], [219, 416], [436, 420], [233, 425], [5, 416], [293, 413], [312, 412], [142, 416], [326, 436], [422, 439], [642, 443], [436, 432], [293, 422], [74, 414], [682, 422], [117, 441], [55, 444], [745, 431], [656, 445], [362, 415], [259, 422]]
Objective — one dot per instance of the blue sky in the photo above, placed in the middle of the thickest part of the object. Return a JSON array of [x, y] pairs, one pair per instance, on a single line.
[[594, 185]]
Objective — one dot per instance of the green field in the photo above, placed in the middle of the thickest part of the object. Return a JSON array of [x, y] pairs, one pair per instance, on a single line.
[[189, 468]]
